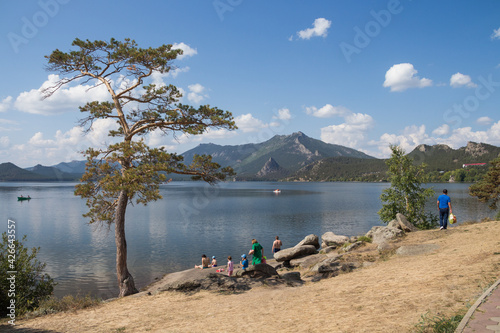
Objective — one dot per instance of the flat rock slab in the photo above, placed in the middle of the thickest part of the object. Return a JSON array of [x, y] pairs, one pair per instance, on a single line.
[[415, 250]]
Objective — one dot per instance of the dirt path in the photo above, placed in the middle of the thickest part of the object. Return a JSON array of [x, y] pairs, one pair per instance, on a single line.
[[388, 296]]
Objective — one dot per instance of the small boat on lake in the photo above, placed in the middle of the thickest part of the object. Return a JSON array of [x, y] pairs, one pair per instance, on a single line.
[[21, 198], [277, 191]]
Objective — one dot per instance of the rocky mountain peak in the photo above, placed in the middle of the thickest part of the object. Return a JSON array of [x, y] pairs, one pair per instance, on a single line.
[[475, 149], [269, 167]]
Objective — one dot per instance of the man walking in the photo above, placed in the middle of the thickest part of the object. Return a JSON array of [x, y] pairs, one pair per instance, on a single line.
[[444, 207]]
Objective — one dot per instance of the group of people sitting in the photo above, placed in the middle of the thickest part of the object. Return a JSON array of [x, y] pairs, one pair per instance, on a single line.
[[257, 253]]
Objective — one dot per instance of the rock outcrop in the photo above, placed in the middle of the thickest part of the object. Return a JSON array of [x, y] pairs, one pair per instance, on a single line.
[[309, 240], [381, 235], [294, 252], [271, 166], [330, 239]]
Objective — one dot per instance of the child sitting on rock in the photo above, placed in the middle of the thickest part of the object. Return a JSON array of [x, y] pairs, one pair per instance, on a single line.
[[244, 261]]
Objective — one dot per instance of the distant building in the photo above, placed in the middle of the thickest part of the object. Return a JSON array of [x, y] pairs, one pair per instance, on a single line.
[[472, 164]]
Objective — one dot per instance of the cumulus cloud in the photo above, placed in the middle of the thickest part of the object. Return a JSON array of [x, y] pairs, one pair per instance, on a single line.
[[319, 29], [283, 114], [413, 136], [67, 98], [460, 80], [351, 133], [404, 76], [495, 34], [484, 120], [187, 51], [327, 111], [196, 93], [5, 104], [248, 123], [410, 137], [442, 130]]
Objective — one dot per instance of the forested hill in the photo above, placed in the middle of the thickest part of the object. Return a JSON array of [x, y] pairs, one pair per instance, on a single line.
[[298, 157], [275, 158], [444, 158], [11, 172]]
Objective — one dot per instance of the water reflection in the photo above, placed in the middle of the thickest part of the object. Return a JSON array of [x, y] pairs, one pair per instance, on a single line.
[[192, 219]]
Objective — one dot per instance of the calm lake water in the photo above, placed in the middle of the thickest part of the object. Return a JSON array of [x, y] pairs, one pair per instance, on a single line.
[[193, 218]]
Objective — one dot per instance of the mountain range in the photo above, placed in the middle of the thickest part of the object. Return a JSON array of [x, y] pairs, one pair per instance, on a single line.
[[294, 157]]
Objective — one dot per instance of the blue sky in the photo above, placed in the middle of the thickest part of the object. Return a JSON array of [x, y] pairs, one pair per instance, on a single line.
[[363, 74]]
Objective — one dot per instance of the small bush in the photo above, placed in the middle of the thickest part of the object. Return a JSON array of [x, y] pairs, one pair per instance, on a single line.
[[439, 323], [67, 303], [30, 285], [365, 239], [430, 221]]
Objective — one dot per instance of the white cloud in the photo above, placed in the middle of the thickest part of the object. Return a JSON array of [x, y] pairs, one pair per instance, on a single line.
[[351, 133], [159, 79], [67, 98], [495, 34], [247, 123], [442, 130], [460, 80], [413, 136], [484, 120], [283, 114], [327, 111], [98, 135], [196, 93], [403, 76], [188, 51], [320, 28], [5, 103]]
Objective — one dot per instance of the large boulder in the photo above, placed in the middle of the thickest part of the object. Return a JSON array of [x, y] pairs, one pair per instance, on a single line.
[[404, 223], [380, 235], [294, 252], [257, 271], [330, 239], [309, 240], [307, 262]]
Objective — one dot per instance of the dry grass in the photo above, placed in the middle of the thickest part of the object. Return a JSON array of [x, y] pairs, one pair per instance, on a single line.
[[388, 296]]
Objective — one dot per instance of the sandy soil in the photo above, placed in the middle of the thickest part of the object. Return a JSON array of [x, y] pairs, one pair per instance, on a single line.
[[388, 296]]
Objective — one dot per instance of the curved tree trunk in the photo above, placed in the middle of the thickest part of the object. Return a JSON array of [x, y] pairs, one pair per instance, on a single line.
[[125, 280]]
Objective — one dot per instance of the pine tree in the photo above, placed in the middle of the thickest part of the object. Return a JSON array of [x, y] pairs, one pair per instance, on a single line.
[[130, 170]]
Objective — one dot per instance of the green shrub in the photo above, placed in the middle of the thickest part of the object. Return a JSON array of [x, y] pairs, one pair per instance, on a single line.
[[429, 221], [28, 285], [67, 303], [365, 239], [439, 323]]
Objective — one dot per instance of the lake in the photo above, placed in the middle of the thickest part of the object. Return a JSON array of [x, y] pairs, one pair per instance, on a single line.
[[192, 219]]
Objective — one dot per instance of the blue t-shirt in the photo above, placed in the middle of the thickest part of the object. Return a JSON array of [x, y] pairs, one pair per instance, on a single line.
[[443, 201], [244, 263]]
